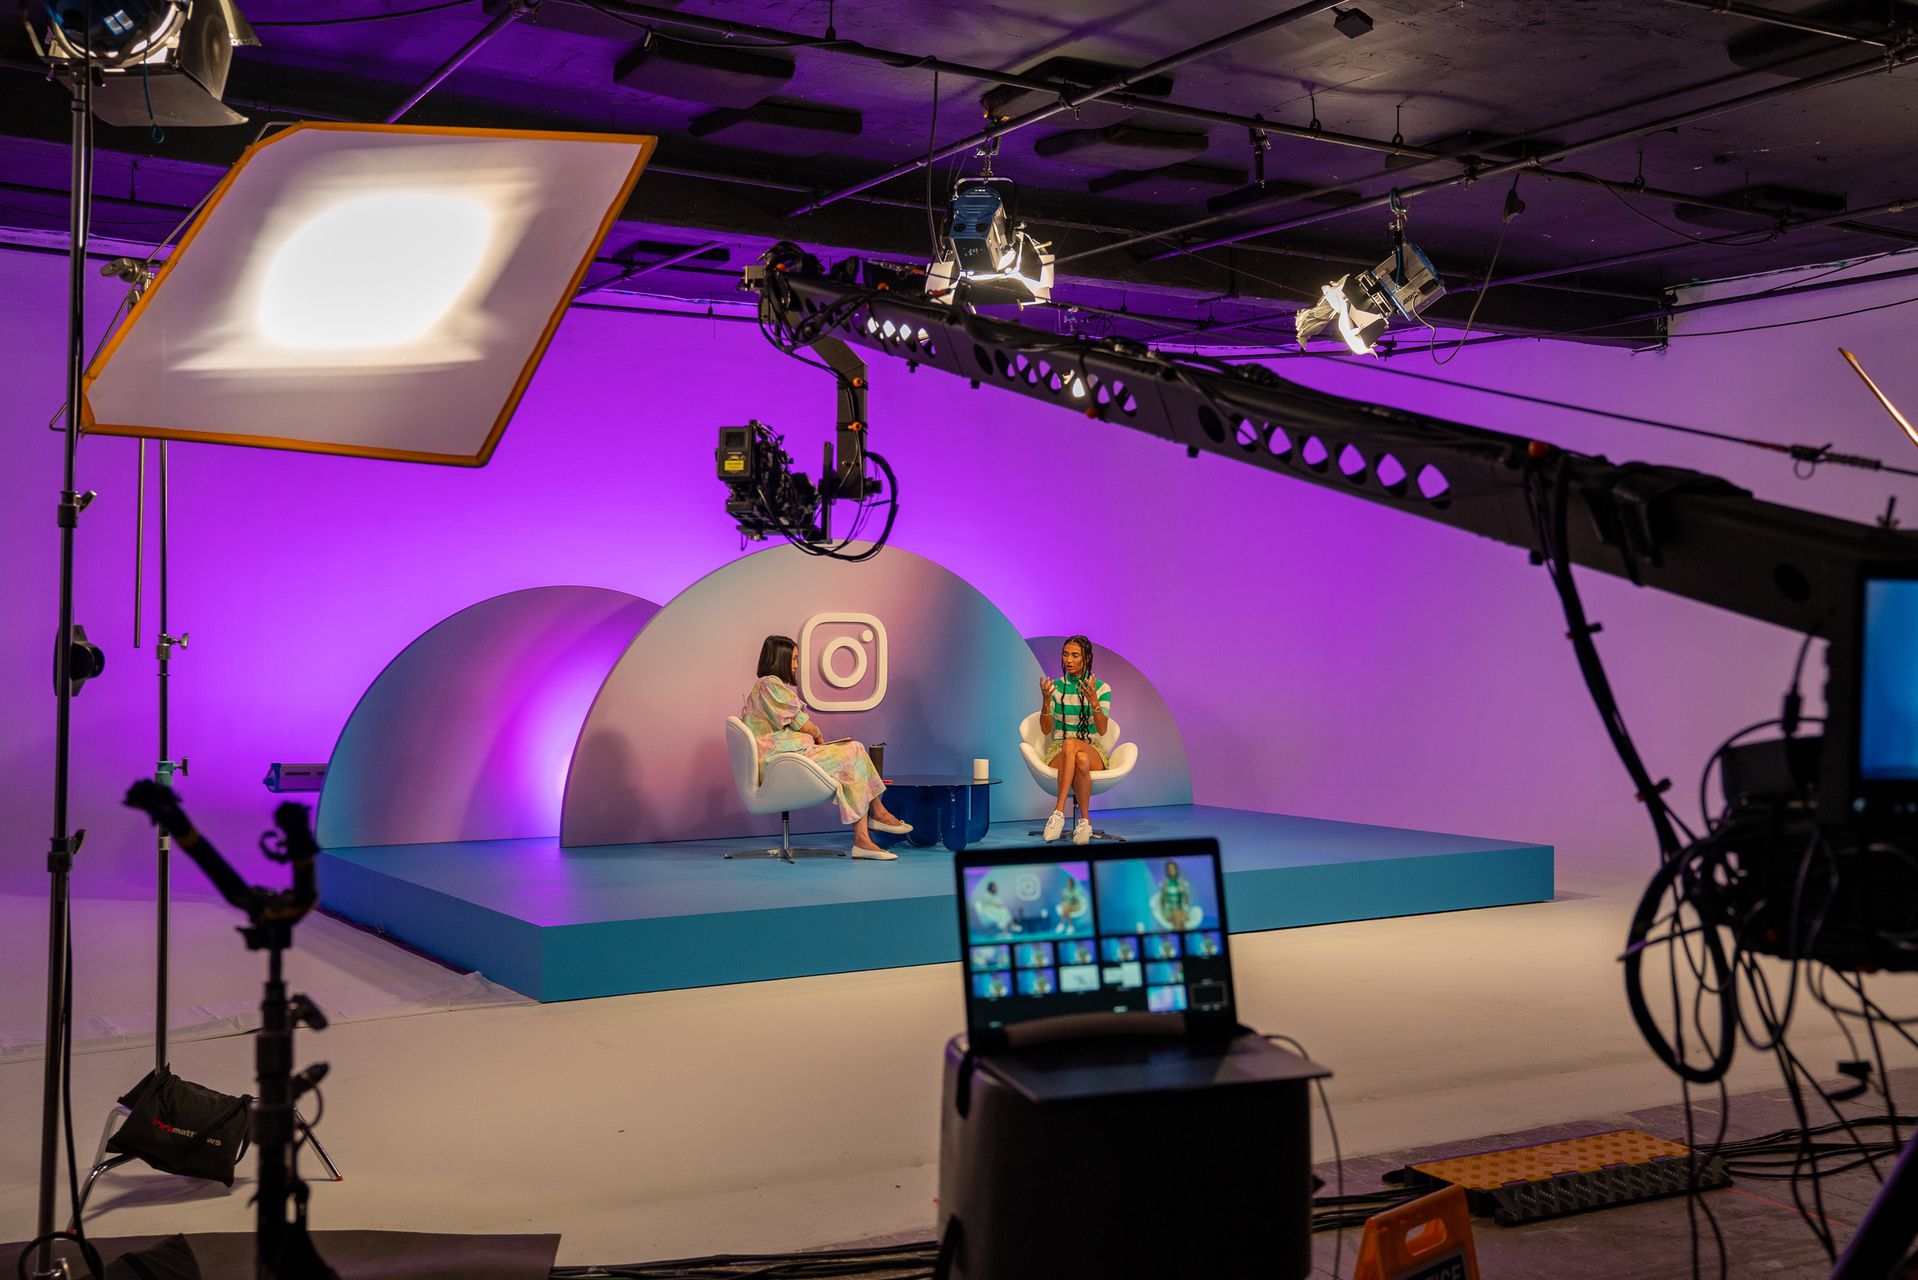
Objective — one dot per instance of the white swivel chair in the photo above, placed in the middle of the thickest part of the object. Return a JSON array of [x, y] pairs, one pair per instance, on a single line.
[[789, 780], [1120, 758]]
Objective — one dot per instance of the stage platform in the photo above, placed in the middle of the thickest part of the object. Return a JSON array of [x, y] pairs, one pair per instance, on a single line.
[[565, 924]]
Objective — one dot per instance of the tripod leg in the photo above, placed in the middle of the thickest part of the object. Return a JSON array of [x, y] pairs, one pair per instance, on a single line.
[[333, 1173], [1889, 1226]]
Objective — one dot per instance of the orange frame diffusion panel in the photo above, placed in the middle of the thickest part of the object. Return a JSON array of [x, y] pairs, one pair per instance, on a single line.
[[377, 291]]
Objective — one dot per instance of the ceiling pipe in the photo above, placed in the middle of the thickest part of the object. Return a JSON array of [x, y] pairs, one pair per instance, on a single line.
[[503, 19], [1073, 101], [646, 268], [1761, 97], [917, 62], [1783, 227], [1751, 12], [1706, 304], [1761, 217]]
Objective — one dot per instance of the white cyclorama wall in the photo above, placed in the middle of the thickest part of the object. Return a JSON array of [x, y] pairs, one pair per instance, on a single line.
[[1322, 656]]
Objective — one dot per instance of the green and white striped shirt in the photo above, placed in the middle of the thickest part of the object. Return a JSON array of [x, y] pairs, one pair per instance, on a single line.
[[1068, 720]]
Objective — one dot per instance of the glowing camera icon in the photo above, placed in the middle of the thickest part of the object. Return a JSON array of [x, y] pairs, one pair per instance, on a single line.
[[842, 661]]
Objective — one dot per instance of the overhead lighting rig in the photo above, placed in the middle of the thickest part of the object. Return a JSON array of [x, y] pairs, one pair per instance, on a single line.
[[987, 256], [1364, 305]]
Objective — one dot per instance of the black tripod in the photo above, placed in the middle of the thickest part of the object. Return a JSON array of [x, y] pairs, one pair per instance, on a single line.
[[285, 1251]]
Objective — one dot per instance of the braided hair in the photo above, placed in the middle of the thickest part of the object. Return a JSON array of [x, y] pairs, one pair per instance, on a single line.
[[1083, 725]]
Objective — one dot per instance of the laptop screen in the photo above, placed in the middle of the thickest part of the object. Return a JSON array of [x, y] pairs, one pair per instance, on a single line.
[[1136, 930]]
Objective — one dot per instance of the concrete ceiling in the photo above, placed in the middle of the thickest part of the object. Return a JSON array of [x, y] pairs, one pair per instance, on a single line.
[[1659, 141]]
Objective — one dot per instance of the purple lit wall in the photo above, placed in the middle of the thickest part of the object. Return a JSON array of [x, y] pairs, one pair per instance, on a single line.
[[1321, 656]]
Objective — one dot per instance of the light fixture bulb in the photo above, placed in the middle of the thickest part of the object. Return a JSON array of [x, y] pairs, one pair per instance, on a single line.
[[374, 271]]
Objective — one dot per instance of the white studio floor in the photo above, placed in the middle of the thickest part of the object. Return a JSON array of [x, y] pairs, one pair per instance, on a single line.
[[784, 1115]]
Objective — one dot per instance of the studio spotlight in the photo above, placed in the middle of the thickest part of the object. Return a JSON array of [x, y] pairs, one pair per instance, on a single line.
[[1363, 305], [160, 62], [987, 256]]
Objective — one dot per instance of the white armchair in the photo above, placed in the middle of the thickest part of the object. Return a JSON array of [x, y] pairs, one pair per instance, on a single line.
[[1120, 759], [789, 780]]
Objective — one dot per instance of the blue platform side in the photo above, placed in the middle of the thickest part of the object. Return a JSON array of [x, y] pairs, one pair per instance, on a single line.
[[565, 924]]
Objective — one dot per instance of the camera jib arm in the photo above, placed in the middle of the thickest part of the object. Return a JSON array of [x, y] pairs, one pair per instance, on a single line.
[[842, 472]]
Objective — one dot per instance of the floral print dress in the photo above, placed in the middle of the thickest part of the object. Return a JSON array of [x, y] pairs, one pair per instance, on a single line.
[[775, 715]]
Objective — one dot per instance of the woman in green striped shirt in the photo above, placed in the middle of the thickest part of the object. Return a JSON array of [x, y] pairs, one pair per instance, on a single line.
[[1073, 714]]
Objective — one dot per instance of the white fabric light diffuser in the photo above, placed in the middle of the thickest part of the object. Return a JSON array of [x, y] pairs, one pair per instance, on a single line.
[[382, 291]]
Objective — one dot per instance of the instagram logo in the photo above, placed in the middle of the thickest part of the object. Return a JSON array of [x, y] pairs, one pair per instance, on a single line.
[[842, 661]]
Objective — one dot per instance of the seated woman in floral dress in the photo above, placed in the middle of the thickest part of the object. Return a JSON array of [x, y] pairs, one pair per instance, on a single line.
[[781, 722]]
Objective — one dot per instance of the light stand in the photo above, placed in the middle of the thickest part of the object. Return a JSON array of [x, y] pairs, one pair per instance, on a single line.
[[65, 845], [285, 1251], [164, 768]]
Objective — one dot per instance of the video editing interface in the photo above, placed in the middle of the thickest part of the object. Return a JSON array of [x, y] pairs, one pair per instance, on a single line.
[[1888, 692], [1115, 935]]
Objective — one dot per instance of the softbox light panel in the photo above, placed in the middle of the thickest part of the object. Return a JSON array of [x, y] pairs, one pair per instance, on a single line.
[[381, 291]]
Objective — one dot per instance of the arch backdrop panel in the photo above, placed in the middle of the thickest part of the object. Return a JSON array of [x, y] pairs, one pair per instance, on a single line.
[[469, 732]]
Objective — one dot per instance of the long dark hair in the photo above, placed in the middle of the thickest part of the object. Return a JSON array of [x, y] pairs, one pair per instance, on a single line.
[[776, 657], [1083, 726]]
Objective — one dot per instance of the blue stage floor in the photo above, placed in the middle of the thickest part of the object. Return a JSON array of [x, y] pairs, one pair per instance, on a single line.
[[563, 924]]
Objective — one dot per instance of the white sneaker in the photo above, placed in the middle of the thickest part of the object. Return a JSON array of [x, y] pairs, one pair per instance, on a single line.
[[876, 855], [1082, 831], [1055, 825]]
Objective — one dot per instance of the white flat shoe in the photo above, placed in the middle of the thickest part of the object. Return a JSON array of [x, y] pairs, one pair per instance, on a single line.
[[876, 855], [890, 828]]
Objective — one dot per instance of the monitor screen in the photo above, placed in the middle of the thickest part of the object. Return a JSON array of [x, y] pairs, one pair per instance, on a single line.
[[1140, 933], [1888, 684]]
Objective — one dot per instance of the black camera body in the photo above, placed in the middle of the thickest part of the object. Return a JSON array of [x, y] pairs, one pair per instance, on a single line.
[[764, 494]]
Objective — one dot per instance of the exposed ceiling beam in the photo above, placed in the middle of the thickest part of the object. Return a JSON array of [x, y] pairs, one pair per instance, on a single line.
[[1075, 99], [1796, 22], [1851, 71], [730, 30]]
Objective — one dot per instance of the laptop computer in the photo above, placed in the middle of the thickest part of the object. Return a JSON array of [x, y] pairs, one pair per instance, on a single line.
[[1077, 941]]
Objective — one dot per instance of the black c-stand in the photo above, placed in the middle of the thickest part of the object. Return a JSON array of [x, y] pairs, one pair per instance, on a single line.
[[285, 1251]]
